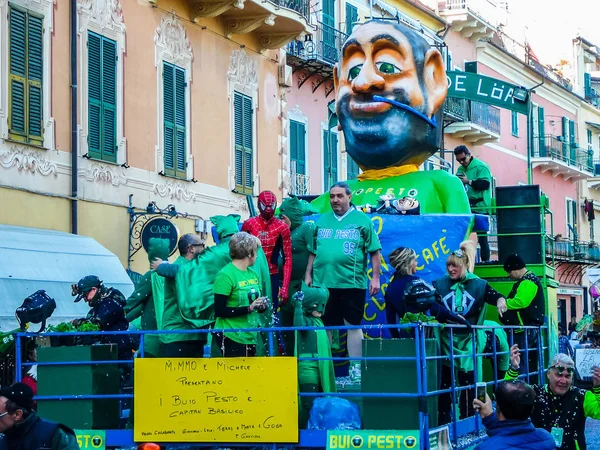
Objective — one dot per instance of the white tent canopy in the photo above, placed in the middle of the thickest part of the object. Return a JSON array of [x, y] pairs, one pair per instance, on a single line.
[[32, 259]]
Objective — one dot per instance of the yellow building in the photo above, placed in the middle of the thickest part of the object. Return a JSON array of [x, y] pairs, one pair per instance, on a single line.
[[176, 102]]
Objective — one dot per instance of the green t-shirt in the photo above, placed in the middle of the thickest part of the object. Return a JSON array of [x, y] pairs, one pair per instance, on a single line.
[[436, 190], [236, 284], [478, 170], [302, 238], [341, 246]]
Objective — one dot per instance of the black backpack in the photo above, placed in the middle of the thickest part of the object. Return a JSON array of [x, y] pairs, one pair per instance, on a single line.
[[36, 308], [420, 295]]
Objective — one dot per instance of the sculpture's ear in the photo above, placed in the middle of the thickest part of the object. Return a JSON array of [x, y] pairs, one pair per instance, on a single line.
[[435, 80]]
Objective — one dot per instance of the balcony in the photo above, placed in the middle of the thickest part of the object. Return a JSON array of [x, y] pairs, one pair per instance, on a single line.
[[551, 153], [573, 250], [300, 184], [474, 122], [274, 22], [316, 55], [468, 17], [594, 181]]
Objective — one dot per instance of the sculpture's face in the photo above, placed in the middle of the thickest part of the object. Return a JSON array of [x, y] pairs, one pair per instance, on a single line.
[[390, 61]]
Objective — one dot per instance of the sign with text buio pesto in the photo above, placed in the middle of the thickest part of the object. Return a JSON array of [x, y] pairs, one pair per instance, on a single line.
[[372, 439], [161, 228], [216, 400], [482, 89]]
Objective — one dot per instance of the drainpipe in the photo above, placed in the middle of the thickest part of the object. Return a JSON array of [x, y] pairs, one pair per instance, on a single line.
[[74, 151]]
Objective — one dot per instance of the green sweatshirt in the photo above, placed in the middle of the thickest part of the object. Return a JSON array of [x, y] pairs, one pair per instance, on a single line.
[[478, 170]]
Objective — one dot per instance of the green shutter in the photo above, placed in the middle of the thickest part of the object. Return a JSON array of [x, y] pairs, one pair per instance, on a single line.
[[334, 158], [102, 98], [542, 131], [587, 82], [26, 69], [298, 146], [351, 17], [329, 48], [565, 135], [326, 161], [352, 168], [514, 117], [330, 158], [174, 85], [244, 150]]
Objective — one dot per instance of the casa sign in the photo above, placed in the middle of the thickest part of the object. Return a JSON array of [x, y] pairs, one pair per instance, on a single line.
[[161, 228], [479, 88]]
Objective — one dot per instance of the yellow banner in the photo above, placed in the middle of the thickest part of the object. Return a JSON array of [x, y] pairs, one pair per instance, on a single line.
[[216, 400]]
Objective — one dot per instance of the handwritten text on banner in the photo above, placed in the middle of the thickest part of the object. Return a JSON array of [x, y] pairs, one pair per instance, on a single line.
[[585, 361], [216, 400]]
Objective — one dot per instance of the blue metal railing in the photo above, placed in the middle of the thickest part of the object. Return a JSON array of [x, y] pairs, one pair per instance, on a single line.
[[312, 438]]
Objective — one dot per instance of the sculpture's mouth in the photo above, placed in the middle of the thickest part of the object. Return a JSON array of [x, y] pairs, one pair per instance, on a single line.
[[367, 105], [388, 101]]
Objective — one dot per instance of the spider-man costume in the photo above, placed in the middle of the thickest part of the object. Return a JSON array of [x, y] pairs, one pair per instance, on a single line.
[[273, 234]]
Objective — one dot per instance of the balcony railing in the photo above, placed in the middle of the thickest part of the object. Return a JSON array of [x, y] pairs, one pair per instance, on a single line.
[[462, 110], [325, 45], [555, 147], [302, 7], [574, 250], [300, 184]]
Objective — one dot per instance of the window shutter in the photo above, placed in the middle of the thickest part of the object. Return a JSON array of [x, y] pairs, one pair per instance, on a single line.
[[334, 157], [301, 146], [326, 161], [35, 33], [248, 150], [293, 145], [181, 157], [169, 118], [109, 100], [94, 94], [542, 131], [352, 168], [239, 141], [329, 48], [565, 135], [18, 74], [351, 17]]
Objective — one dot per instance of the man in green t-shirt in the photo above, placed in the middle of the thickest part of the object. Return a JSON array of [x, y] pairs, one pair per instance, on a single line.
[[338, 261], [477, 178]]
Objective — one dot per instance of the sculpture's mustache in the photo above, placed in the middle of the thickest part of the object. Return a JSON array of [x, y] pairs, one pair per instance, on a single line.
[[406, 107]]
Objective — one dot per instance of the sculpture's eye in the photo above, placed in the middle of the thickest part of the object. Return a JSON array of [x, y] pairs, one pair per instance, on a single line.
[[387, 68], [353, 72]]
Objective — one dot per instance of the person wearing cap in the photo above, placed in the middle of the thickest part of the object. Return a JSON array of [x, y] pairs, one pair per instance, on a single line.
[[560, 407], [525, 307], [106, 311], [23, 429]]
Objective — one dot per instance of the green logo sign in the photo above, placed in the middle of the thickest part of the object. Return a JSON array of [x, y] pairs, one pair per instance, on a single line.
[[91, 439], [375, 439], [480, 88]]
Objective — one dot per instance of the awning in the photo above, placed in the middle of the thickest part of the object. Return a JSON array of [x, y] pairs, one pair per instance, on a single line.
[[594, 125], [32, 259]]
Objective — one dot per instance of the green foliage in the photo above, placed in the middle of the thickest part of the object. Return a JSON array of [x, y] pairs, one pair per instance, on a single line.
[[88, 327], [418, 317]]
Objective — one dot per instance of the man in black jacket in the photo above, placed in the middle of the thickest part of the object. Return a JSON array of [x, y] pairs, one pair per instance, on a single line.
[[23, 429]]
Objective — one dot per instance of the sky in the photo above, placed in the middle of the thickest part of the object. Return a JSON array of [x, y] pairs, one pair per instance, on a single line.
[[552, 25]]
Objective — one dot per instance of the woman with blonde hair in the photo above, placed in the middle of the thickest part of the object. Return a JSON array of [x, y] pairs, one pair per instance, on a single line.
[[408, 293], [463, 293]]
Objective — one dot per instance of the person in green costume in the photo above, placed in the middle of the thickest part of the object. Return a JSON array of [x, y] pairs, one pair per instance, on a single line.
[[477, 178], [292, 211], [389, 84], [179, 345], [466, 294], [148, 299], [238, 298], [502, 347], [194, 281], [313, 376]]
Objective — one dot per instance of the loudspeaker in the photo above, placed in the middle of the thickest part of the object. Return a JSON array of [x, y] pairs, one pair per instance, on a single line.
[[519, 220]]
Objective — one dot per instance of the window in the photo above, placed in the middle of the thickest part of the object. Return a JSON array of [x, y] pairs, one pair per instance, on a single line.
[[590, 138], [174, 121], [330, 158], [352, 168], [571, 206], [243, 120], [449, 60], [351, 17], [330, 52], [298, 147], [26, 66], [514, 119], [102, 97]]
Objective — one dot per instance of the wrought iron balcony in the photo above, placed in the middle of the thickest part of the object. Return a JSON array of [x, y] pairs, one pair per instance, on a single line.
[[300, 184], [552, 153], [573, 250], [317, 53], [474, 122], [274, 22]]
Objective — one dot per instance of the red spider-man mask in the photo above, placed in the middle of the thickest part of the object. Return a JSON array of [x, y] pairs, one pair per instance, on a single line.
[[267, 202]]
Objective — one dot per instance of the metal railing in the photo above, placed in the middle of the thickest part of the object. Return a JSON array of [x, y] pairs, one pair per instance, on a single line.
[[575, 250], [302, 7], [462, 110], [300, 184], [485, 8], [324, 46], [557, 148], [426, 358]]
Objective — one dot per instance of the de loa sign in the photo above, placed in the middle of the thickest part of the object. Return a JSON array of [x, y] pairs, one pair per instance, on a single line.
[[161, 228], [480, 88]]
